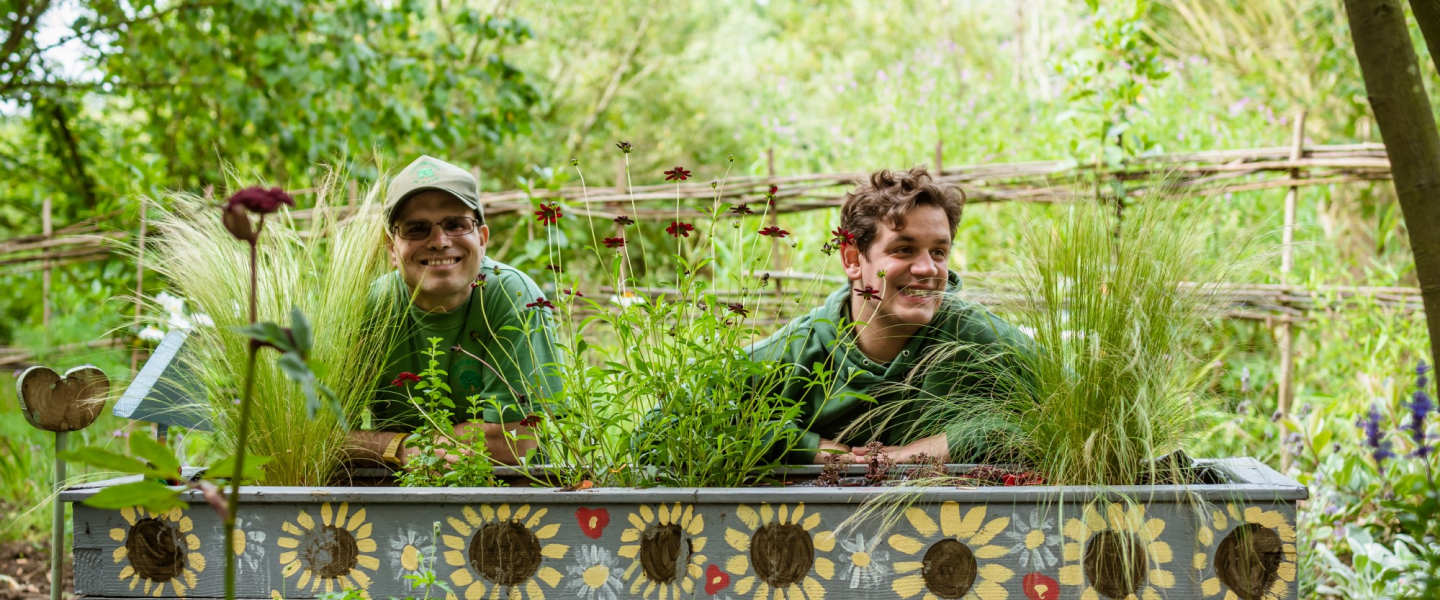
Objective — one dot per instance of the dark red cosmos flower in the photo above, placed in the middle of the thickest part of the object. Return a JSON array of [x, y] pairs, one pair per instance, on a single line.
[[555, 268], [623, 220], [741, 209], [615, 242], [260, 201], [479, 281], [869, 293], [256, 200], [625, 147], [540, 301], [573, 292], [739, 309], [530, 420], [842, 237], [548, 213], [404, 377], [678, 229], [677, 173], [774, 232], [770, 195]]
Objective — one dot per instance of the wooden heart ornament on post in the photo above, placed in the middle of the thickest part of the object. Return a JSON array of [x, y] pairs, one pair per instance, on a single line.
[[58, 403]]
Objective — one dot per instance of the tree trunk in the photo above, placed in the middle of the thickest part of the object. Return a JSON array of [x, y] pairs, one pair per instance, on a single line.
[[1402, 110], [1427, 14]]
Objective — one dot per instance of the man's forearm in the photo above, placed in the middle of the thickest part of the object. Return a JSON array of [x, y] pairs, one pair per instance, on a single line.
[[368, 445], [504, 449]]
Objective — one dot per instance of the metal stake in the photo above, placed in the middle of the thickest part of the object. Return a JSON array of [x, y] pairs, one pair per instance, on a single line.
[[57, 526]]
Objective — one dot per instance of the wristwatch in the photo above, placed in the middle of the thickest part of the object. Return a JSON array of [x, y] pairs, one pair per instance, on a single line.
[[391, 456]]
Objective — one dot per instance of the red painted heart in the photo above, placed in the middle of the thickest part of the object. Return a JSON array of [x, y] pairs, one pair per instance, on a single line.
[[1040, 587], [715, 580], [592, 521]]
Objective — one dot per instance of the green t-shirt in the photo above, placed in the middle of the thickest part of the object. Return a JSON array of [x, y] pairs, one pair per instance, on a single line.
[[817, 338], [514, 340]]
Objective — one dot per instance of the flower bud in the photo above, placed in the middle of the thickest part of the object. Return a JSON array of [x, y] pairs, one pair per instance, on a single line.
[[237, 222]]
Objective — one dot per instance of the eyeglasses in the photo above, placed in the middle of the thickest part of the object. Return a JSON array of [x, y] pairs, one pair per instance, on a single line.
[[419, 230]]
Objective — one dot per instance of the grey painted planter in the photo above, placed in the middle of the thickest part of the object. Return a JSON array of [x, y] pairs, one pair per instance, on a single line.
[[1204, 541]]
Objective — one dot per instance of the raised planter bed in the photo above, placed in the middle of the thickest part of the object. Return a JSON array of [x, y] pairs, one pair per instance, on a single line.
[[1224, 541]]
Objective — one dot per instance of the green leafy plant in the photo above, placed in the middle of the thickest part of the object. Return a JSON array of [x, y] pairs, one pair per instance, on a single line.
[[435, 437], [671, 397]]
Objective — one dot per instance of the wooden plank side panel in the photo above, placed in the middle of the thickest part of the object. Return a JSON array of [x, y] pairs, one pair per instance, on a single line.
[[693, 549]]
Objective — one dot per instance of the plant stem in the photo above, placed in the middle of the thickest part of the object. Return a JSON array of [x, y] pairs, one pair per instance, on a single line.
[[233, 506]]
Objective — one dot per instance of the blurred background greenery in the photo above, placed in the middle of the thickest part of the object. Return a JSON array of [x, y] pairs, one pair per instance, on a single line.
[[108, 102]]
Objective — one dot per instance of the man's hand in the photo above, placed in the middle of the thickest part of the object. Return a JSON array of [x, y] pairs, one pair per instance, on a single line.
[[933, 447], [838, 452], [443, 450]]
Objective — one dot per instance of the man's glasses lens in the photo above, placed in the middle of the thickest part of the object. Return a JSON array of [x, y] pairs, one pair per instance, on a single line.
[[419, 230]]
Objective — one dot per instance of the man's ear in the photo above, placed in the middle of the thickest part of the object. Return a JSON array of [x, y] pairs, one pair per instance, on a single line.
[[850, 258], [390, 249], [484, 235]]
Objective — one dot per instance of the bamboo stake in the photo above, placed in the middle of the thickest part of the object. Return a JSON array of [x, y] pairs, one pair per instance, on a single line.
[[140, 283], [1287, 262], [57, 523], [47, 230]]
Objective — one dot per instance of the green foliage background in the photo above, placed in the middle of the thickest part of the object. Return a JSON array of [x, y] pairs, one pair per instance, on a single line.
[[183, 94]]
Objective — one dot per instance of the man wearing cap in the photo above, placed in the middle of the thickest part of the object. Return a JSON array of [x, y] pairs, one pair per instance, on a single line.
[[445, 287]]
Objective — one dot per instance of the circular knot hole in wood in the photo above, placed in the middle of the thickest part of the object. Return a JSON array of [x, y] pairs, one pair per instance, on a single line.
[[329, 551], [782, 553], [1115, 563], [505, 552], [660, 552], [1248, 560], [154, 550], [949, 569]]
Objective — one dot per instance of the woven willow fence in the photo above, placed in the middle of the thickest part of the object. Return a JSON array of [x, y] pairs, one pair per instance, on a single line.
[[1190, 174]]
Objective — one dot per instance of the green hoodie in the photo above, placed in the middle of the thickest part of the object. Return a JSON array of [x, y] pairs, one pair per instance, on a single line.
[[825, 336]]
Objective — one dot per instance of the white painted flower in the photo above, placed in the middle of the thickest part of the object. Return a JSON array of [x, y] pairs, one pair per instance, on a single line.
[[410, 550], [596, 575], [865, 566], [249, 546], [152, 333], [1036, 550], [202, 320]]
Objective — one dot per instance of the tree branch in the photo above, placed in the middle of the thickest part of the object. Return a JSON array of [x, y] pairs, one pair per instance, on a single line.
[[1427, 14], [578, 136]]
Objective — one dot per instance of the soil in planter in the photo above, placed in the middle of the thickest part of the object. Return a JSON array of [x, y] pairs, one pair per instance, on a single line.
[[27, 567]]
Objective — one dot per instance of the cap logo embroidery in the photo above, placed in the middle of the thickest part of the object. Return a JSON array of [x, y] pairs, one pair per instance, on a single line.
[[425, 174]]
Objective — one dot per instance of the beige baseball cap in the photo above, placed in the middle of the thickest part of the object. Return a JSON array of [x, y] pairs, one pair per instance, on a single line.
[[430, 173]]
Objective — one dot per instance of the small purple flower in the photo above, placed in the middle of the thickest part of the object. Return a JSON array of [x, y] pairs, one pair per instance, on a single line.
[[1379, 447], [1420, 408], [1332, 510]]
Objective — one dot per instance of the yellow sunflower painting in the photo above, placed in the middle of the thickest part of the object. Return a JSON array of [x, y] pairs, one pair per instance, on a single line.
[[506, 549], [779, 553], [328, 554], [664, 545], [1116, 553], [1254, 561], [158, 548], [960, 564]]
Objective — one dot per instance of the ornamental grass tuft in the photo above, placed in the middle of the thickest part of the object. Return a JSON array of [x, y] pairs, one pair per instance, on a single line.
[[321, 266], [1118, 313]]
